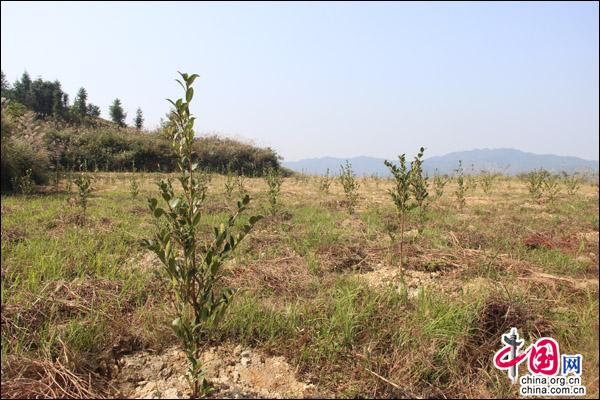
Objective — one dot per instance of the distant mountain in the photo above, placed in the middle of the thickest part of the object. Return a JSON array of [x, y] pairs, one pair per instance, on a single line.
[[508, 161]]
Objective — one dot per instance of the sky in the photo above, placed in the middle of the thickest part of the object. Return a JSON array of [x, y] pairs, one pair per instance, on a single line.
[[332, 79]]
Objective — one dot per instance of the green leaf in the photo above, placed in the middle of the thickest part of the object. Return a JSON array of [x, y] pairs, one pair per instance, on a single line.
[[192, 78], [189, 94]]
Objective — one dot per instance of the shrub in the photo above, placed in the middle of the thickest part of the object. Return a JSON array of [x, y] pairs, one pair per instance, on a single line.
[[572, 183], [419, 187], [487, 181], [439, 182], [325, 182], [194, 270], [21, 153], [551, 187], [24, 184], [229, 184], [400, 195], [274, 181], [83, 181], [460, 188], [535, 183], [350, 186]]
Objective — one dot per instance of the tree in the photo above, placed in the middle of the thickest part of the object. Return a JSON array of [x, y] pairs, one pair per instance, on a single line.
[[80, 102], [93, 110], [5, 86], [139, 119], [117, 114], [21, 90]]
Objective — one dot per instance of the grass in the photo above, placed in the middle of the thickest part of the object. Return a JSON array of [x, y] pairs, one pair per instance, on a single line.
[[76, 295]]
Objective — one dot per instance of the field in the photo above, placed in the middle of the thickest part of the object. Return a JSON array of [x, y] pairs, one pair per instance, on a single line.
[[321, 309]]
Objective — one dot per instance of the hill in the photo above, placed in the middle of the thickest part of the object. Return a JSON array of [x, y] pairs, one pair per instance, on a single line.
[[508, 161]]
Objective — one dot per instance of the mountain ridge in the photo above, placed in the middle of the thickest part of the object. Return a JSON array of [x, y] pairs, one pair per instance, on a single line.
[[506, 160]]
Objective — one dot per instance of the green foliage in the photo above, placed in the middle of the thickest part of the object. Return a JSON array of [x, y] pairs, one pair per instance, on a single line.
[[439, 182], [83, 181], [487, 181], [139, 119], [194, 270], [93, 110], [4, 85], [419, 188], [551, 187], [229, 184], [535, 183], [43, 97], [80, 103], [350, 186], [471, 180], [461, 187], [240, 181], [20, 154], [572, 183], [325, 182], [134, 188], [24, 184], [274, 181], [408, 184], [117, 114], [116, 149]]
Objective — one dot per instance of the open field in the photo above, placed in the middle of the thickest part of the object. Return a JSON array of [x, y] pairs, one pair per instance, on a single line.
[[321, 309]]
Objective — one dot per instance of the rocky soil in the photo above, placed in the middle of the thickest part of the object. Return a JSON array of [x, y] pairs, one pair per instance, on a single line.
[[234, 372]]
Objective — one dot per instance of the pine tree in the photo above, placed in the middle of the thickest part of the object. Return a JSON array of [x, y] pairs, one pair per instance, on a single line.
[[80, 102], [22, 88], [117, 114], [4, 86], [139, 119]]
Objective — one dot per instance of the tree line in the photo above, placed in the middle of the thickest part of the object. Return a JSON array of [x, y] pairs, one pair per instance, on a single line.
[[48, 100]]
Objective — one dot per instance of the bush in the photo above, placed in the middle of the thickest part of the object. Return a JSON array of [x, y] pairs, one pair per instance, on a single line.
[[113, 149], [18, 156]]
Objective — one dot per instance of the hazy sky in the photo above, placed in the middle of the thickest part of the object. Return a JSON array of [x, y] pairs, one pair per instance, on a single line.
[[332, 79]]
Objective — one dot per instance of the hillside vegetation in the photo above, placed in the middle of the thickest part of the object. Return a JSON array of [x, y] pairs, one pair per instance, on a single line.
[[44, 134]]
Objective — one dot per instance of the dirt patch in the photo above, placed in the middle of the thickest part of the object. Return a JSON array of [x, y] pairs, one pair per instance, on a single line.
[[13, 235], [568, 243], [386, 276], [338, 258], [233, 372], [59, 225], [139, 210], [495, 318], [539, 241]]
